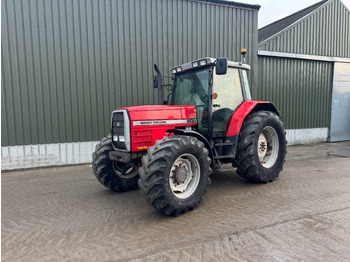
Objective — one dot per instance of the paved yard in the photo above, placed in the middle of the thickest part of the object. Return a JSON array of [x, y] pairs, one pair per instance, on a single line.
[[64, 214]]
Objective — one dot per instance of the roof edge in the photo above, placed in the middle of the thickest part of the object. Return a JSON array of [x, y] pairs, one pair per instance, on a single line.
[[348, 8], [302, 18], [229, 3]]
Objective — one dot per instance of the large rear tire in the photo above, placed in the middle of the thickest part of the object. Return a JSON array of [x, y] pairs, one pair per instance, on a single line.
[[119, 177], [174, 174], [261, 147]]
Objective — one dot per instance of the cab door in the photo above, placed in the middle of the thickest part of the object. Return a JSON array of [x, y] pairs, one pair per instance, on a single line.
[[227, 96]]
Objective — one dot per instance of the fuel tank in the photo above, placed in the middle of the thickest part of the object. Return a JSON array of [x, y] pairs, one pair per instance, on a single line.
[[150, 123]]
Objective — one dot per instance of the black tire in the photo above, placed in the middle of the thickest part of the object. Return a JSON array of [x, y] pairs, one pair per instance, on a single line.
[[249, 165], [156, 182], [110, 173]]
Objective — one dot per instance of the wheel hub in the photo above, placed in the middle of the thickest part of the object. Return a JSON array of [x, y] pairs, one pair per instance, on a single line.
[[262, 146], [184, 176], [125, 170], [180, 174], [268, 147]]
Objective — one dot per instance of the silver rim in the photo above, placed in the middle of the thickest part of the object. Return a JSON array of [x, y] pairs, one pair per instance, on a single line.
[[184, 176], [124, 171], [268, 147]]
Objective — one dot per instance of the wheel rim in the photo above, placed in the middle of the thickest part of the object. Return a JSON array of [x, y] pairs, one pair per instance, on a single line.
[[268, 147], [124, 171], [184, 176]]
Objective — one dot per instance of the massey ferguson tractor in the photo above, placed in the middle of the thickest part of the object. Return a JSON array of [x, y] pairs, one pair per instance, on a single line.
[[209, 120]]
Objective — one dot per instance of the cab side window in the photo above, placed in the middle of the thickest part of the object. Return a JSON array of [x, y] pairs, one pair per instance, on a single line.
[[228, 97]]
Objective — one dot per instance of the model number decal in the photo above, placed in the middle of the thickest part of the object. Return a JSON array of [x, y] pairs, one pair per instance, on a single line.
[[164, 122], [142, 147]]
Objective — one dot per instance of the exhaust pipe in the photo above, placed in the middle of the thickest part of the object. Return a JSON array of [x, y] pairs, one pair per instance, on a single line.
[[158, 81]]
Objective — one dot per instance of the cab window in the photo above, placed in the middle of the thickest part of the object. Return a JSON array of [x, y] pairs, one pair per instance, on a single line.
[[228, 92], [191, 88]]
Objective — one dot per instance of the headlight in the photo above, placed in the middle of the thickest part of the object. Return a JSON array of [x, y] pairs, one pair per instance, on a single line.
[[115, 138], [121, 138]]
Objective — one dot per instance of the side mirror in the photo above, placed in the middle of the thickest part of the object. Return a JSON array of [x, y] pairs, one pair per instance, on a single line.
[[155, 81], [221, 66]]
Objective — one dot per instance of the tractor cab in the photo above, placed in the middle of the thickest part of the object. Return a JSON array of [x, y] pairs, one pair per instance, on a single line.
[[216, 87]]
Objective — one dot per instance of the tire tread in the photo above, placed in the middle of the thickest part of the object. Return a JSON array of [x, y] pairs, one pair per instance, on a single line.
[[103, 169], [153, 177], [247, 163]]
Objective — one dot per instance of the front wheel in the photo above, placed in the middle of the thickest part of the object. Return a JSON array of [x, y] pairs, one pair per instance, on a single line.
[[261, 147], [174, 174], [120, 177]]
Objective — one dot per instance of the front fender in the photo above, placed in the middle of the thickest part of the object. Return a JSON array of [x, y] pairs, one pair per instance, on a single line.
[[195, 134]]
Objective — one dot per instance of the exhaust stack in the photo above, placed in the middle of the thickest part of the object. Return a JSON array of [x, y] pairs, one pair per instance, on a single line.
[[158, 83]]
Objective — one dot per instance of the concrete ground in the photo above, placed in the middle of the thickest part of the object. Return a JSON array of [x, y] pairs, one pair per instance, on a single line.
[[64, 214]]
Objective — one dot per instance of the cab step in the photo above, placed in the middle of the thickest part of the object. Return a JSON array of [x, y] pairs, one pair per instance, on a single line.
[[223, 157], [223, 144]]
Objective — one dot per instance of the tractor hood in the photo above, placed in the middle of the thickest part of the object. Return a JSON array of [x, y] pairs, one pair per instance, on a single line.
[[159, 115], [147, 124]]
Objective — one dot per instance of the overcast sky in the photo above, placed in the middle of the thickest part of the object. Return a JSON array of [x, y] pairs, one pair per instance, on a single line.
[[273, 10]]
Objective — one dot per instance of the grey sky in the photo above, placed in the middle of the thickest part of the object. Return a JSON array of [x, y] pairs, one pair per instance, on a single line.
[[272, 10]]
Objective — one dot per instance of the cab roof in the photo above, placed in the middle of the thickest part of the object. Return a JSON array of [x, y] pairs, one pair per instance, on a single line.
[[205, 61]]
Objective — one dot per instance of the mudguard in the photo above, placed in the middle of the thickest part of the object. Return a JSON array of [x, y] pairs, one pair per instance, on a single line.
[[244, 110], [194, 134]]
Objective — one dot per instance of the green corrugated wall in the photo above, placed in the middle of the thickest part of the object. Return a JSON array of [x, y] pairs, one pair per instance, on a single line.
[[302, 88], [326, 32], [67, 64]]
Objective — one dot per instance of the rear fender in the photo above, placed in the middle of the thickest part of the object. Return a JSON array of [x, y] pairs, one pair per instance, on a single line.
[[244, 110]]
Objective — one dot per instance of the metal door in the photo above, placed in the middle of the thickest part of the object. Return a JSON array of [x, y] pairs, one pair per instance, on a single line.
[[340, 116]]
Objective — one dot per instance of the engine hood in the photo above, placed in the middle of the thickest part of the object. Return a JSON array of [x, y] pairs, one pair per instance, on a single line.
[[161, 115], [147, 124]]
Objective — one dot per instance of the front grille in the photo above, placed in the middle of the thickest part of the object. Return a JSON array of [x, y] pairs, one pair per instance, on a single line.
[[118, 129]]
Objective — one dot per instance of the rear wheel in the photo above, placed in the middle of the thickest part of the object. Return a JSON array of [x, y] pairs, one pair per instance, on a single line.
[[120, 177], [261, 147], [174, 174]]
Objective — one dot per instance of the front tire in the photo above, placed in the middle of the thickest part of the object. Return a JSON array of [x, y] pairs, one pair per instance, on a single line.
[[114, 175], [261, 147], [174, 174]]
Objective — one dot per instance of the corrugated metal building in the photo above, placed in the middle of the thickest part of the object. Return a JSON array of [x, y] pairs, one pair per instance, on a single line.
[[304, 68], [67, 64]]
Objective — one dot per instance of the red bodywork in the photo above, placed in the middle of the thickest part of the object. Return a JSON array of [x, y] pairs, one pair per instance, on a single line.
[[150, 123], [238, 117]]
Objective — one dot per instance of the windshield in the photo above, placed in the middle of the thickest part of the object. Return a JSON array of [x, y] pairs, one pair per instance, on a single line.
[[191, 88]]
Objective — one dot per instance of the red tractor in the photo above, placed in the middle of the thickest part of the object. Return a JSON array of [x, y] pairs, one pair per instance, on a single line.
[[168, 151]]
